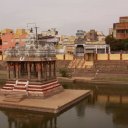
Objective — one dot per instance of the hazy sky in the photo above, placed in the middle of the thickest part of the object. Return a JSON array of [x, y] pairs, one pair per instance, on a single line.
[[65, 15]]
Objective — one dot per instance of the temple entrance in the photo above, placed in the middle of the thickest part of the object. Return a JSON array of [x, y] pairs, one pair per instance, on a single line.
[[80, 50]]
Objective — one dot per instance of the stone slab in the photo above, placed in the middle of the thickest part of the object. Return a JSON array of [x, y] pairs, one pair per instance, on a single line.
[[53, 104]]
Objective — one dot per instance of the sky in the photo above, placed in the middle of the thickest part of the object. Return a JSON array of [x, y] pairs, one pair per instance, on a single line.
[[67, 16]]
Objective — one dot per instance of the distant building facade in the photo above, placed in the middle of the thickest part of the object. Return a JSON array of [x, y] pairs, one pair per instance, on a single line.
[[120, 30], [90, 42], [49, 36], [11, 38]]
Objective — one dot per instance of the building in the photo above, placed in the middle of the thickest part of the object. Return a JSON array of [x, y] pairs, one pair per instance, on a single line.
[[120, 30], [92, 36], [50, 36], [11, 38]]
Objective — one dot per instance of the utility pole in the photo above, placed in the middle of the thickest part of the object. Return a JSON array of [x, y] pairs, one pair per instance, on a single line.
[[33, 25], [36, 33]]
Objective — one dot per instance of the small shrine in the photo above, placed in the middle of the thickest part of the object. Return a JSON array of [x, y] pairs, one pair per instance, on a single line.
[[31, 69]]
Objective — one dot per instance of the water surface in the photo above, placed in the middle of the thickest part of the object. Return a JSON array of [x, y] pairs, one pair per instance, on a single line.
[[108, 108]]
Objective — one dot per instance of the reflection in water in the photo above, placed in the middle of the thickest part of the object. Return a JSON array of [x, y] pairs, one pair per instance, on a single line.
[[28, 120], [108, 108]]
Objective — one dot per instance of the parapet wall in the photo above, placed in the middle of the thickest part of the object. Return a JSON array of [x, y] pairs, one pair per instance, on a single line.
[[112, 56], [99, 57]]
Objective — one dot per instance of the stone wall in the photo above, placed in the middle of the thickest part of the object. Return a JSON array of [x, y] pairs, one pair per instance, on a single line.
[[111, 66]]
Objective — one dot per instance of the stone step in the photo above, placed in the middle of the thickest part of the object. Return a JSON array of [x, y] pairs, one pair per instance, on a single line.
[[14, 97]]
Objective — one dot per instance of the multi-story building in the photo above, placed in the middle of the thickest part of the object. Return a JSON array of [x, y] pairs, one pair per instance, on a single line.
[[11, 39], [120, 30]]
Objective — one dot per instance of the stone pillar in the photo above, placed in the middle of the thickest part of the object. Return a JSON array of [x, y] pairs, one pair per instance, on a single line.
[[45, 70], [14, 70], [28, 70], [8, 70], [34, 68], [49, 69], [39, 71], [54, 69], [17, 70]]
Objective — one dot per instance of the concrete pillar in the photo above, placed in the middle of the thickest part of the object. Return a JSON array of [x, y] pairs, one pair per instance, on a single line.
[[121, 56]]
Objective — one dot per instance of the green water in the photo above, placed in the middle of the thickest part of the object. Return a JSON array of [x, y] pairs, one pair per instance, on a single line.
[[108, 108]]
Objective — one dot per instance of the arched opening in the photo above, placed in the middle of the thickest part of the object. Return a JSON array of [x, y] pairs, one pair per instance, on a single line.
[[17, 44], [79, 50]]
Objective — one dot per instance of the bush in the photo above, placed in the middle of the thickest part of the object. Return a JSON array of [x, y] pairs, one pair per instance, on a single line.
[[63, 72]]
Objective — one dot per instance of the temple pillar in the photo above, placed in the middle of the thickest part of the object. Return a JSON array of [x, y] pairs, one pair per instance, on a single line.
[[54, 71], [52, 68], [45, 70], [55, 122], [14, 70], [34, 68], [8, 70], [39, 71], [49, 69], [28, 70], [17, 71]]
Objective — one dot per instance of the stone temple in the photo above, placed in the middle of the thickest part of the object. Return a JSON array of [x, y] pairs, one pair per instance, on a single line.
[[31, 70]]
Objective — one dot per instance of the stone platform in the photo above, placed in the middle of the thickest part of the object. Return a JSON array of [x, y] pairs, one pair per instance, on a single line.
[[53, 104]]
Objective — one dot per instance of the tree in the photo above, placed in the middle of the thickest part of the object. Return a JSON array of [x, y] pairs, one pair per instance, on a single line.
[[117, 44]]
